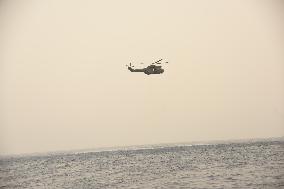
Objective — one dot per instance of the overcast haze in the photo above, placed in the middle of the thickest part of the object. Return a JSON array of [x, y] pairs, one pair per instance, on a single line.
[[64, 83]]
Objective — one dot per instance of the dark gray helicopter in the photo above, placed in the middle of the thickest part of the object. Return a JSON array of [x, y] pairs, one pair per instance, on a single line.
[[152, 69]]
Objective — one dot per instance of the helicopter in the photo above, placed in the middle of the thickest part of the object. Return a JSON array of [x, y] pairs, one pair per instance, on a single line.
[[151, 69]]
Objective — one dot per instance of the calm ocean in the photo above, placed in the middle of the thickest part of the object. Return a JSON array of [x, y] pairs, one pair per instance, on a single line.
[[231, 165]]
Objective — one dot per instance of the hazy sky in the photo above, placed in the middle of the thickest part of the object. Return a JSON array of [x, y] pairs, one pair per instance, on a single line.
[[64, 83]]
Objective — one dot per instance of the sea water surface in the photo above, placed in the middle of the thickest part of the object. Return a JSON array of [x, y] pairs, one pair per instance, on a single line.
[[229, 165]]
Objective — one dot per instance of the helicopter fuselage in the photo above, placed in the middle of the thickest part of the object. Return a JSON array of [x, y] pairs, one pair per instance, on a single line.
[[152, 69]]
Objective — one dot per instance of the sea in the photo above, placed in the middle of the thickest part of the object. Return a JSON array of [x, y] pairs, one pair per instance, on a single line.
[[249, 164]]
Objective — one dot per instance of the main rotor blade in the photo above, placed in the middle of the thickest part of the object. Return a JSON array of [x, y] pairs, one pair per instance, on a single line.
[[157, 61]]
